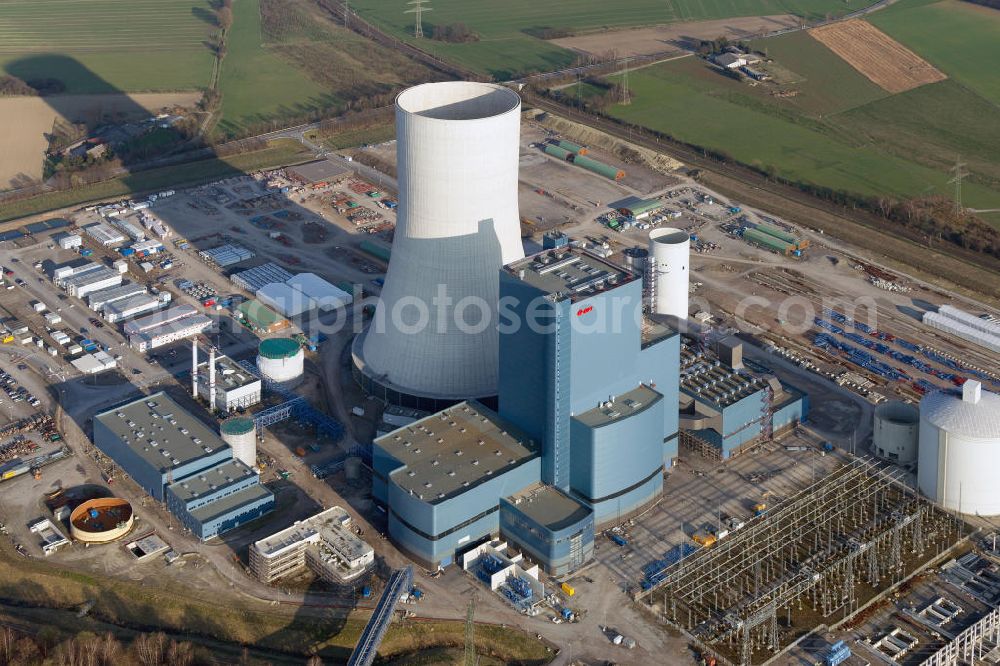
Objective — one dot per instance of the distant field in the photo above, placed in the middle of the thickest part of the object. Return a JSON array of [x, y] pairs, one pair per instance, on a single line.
[[506, 47], [689, 101], [959, 38], [886, 62], [298, 61], [98, 46]]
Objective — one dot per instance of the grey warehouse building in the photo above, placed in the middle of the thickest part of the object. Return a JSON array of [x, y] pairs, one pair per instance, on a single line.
[[179, 460]]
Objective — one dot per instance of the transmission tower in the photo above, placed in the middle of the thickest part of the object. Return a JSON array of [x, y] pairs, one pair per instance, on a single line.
[[959, 173], [347, 11], [418, 10], [470, 642], [626, 96]]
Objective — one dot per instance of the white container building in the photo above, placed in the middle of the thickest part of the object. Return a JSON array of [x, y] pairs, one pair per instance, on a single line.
[[961, 329], [320, 293], [91, 281], [98, 299], [104, 234], [960, 449], [70, 241], [285, 300], [132, 306], [457, 153]]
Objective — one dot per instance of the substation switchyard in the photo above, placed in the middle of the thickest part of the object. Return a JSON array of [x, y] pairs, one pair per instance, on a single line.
[[816, 558]]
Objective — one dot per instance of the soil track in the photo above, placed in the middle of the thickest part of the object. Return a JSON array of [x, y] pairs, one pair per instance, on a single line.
[[24, 122], [673, 36], [888, 64]]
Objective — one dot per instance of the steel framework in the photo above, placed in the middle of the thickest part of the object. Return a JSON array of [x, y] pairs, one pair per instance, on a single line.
[[859, 524], [970, 646], [399, 583], [293, 407]]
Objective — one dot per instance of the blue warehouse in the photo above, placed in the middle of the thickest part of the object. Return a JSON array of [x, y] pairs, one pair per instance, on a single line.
[[725, 408], [180, 461]]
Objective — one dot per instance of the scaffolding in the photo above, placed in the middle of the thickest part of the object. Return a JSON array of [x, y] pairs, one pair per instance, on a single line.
[[978, 642], [858, 525]]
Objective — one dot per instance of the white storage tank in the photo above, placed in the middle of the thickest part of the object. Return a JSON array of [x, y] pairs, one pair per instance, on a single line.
[[960, 449], [896, 432], [280, 361], [669, 252], [240, 434]]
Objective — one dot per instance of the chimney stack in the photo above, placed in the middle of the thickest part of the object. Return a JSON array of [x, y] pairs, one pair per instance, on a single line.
[[194, 368], [211, 379]]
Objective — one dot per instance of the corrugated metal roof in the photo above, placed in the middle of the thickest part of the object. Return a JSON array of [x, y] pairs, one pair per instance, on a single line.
[[947, 411]]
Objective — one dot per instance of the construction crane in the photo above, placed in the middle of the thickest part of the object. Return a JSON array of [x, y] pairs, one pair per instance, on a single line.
[[470, 630]]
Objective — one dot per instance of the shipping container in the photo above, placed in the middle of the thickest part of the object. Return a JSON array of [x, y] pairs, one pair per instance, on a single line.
[[568, 589]]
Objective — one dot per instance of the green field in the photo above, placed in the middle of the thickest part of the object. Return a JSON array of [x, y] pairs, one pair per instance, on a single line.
[[97, 46], [959, 38], [297, 62], [506, 47], [688, 100]]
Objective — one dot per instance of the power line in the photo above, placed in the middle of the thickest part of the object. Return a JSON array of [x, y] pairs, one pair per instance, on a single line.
[[470, 642], [626, 95], [418, 10]]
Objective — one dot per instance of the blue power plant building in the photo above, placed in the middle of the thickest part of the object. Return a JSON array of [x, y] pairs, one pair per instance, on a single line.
[[180, 461], [594, 400], [587, 418]]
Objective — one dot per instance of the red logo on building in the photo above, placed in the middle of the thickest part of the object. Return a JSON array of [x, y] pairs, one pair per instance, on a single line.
[[583, 311]]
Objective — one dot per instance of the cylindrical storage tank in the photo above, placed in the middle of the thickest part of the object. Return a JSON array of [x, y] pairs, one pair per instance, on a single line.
[[280, 361], [960, 450], [240, 433], [669, 252], [434, 332], [101, 520], [896, 432], [352, 468], [636, 259]]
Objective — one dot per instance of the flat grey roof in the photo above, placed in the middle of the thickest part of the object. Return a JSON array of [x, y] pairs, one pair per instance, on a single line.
[[624, 406], [154, 424], [226, 504], [454, 449], [569, 272], [549, 507], [654, 331], [229, 374], [212, 479]]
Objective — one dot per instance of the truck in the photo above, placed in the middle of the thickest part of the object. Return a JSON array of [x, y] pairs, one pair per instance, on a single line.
[[618, 539]]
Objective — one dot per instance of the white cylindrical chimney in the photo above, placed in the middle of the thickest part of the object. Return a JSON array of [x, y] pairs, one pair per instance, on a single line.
[[458, 224], [669, 252], [211, 379], [194, 368]]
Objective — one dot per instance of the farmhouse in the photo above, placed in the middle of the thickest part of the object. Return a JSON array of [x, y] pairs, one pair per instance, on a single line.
[[730, 60]]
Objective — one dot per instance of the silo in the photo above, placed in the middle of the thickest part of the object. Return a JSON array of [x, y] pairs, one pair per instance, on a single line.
[[457, 224], [280, 361], [669, 251], [896, 431], [959, 452], [240, 434]]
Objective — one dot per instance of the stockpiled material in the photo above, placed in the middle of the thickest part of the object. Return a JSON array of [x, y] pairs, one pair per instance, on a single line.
[[598, 167], [571, 147], [777, 233], [557, 152], [766, 241]]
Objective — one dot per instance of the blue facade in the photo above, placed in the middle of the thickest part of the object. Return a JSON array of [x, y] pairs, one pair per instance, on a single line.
[[585, 351], [559, 548], [615, 460], [152, 479], [743, 420], [206, 523]]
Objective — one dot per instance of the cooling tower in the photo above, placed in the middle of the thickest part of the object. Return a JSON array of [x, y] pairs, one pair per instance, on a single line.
[[669, 250], [457, 224]]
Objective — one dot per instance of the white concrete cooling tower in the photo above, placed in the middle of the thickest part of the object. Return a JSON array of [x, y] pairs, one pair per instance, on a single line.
[[669, 253], [458, 223]]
